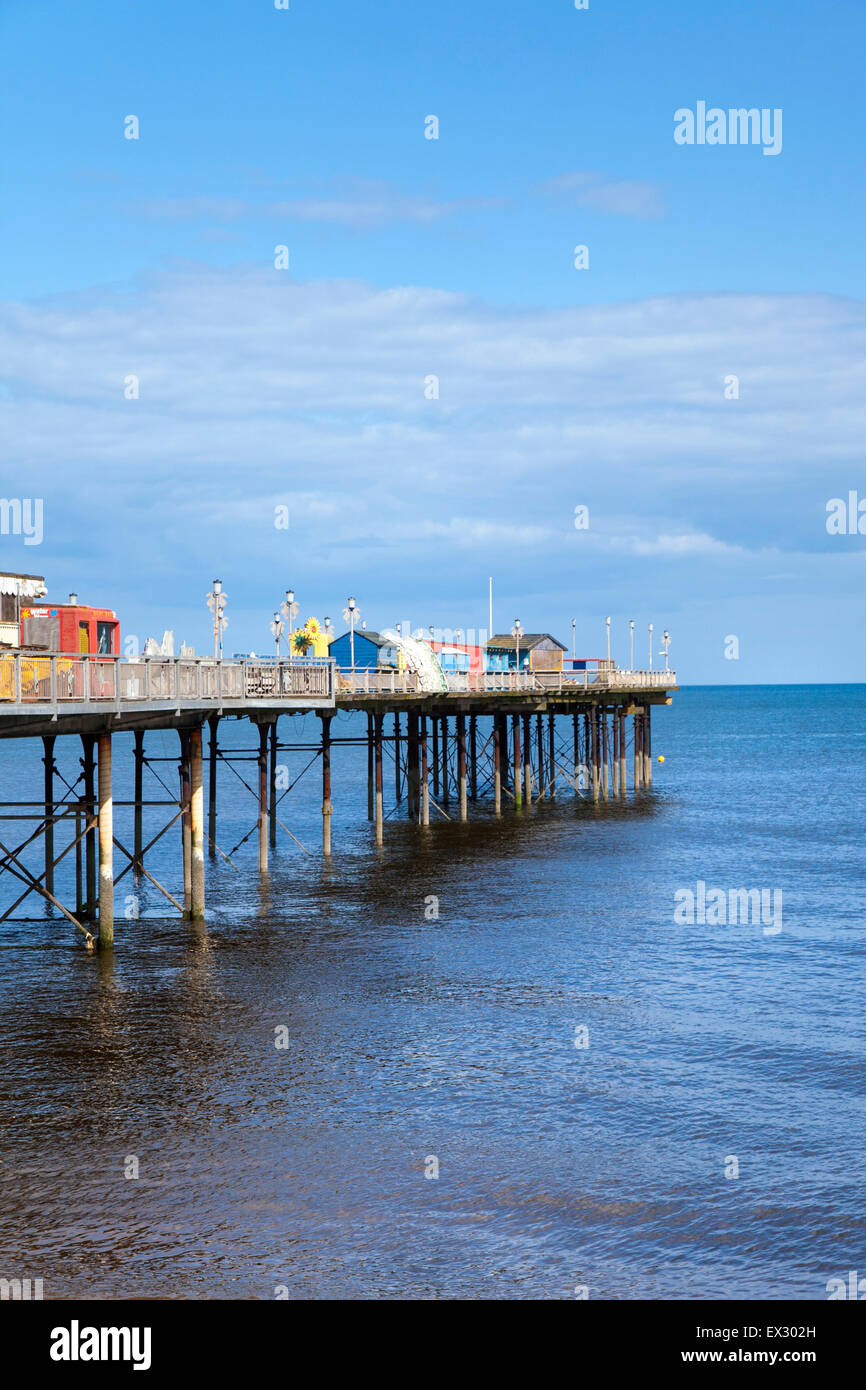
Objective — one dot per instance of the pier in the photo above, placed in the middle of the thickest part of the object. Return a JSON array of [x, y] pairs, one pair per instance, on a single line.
[[509, 737]]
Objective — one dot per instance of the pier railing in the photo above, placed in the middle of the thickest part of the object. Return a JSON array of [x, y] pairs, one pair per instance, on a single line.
[[388, 681], [26, 677]]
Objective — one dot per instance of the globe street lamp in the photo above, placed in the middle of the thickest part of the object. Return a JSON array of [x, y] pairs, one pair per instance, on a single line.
[[351, 614], [517, 633], [277, 630], [216, 602], [289, 610]]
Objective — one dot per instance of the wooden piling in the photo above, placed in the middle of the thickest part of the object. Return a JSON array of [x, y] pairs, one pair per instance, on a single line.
[[196, 817], [263, 799], [212, 722], [326, 783], [48, 780], [461, 764], [425, 787], [378, 776], [106, 844]]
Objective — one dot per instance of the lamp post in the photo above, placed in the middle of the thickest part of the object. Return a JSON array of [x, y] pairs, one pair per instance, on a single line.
[[277, 630], [573, 637], [352, 613], [666, 642], [216, 602], [607, 628], [631, 644], [517, 633], [651, 645], [289, 610]]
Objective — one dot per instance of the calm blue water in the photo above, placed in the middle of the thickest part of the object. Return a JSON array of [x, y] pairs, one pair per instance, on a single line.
[[455, 1038]]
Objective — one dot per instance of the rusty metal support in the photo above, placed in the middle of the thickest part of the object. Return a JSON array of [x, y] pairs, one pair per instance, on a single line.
[[497, 765], [461, 764], [326, 783], [378, 762], [263, 799], [48, 763], [527, 758], [213, 723], [473, 758], [106, 840], [425, 786], [196, 826]]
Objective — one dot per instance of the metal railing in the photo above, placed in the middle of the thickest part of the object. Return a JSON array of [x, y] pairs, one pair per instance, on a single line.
[[388, 681], [57, 679]]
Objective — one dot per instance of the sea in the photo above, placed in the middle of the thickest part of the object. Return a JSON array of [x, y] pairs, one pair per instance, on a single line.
[[552, 1055]]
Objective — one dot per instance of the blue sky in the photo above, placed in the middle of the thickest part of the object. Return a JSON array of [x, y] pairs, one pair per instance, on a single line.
[[453, 257]]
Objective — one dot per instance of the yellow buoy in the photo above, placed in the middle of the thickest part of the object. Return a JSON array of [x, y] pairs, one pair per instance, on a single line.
[[661, 759]]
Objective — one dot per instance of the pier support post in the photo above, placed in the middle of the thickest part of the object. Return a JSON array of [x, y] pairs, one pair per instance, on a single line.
[[622, 751], [527, 759], [326, 783], [48, 761], [137, 796], [106, 845], [446, 791], [461, 764], [647, 749], [369, 767], [576, 750], [80, 813], [397, 769], [213, 722], [497, 766], [434, 721], [185, 825], [412, 774], [539, 745], [596, 771], [614, 738], [515, 735], [425, 786], [473, 758], [638, 752], [551, 755], [87, 763], [263, 799], [272, 786], [605, 756], [503, 750], [378, 770], [196, 818]]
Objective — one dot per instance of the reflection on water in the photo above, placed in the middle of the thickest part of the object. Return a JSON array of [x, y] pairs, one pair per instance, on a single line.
[[406, 1037]]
